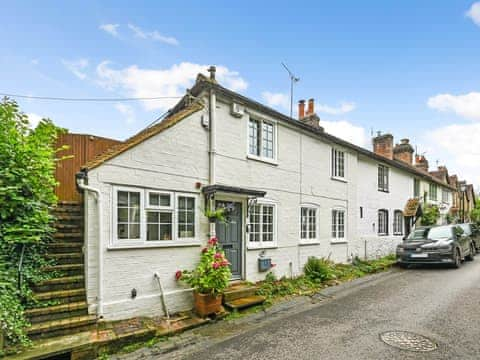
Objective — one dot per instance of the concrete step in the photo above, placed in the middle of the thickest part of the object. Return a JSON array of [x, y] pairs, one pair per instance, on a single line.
[[68, 235], [61, 327], [57, 312], [60, 295], [68, 227], [62, 283], [65, 247], [67, 218], [66, 258], [67, 269], [245, 302], [238, 291]]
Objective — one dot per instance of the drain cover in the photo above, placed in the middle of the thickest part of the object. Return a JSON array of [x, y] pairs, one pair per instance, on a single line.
[[408, 341]]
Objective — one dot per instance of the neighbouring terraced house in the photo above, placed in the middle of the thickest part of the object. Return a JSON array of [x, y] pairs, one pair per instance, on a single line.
[[291, 190]]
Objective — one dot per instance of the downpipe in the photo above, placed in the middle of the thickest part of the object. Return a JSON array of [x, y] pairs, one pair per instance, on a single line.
[[162, 295], [81, 177]]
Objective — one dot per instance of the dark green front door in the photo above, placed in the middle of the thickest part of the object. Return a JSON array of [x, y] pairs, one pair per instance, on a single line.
[[229, 236]]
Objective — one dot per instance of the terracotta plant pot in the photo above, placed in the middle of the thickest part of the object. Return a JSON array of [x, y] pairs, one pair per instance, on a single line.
[[207, 304]]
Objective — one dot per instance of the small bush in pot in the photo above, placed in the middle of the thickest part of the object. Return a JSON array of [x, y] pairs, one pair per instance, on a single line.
[[209, 279]]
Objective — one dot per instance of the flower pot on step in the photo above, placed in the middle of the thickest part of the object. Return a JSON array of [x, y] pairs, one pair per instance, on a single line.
[[207, 304]]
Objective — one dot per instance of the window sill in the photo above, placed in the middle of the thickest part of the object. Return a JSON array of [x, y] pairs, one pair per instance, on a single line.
[[153, 246], [307, 243], [384, 191], [340, 179], [261, 159], [261, 247], [337, 242]]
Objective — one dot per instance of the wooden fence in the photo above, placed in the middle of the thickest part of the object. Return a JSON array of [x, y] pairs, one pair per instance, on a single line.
[[83, 148]]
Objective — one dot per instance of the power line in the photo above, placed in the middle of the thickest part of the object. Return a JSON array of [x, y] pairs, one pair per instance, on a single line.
[[89, 99]]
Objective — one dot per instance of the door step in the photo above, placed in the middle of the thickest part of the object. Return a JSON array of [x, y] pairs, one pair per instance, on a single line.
[[61, 327], [238, 291], [245, 302]]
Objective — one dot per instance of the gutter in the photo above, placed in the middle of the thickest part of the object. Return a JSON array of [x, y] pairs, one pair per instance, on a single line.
[[81, 178]]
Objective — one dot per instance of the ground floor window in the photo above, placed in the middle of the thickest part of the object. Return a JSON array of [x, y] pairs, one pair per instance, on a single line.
[[383, 222], [338, 224], [308, 223], [398, 222], [262, 219], [146, 215]]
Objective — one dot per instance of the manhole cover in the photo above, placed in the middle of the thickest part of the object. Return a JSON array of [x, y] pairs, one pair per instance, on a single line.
[[408, 341]]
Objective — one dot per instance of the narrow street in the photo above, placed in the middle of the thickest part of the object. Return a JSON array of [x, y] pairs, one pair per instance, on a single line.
[[440, 304]]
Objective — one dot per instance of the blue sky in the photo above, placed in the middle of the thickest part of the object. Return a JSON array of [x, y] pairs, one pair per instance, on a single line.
[[407, 67]]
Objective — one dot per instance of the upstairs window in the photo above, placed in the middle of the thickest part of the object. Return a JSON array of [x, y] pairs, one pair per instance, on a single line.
[[382, 178], [383, 222], [261, 139], [398, 222], [432, 195], [338, 225], [338, 164], [308, 223], [416, 188], [445, 196]]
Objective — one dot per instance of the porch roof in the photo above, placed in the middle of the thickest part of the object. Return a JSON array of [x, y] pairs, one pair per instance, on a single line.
[[212, 189]]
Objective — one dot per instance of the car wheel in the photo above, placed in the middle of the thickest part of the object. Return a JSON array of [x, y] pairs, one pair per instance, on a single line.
[[457, 259], [471, 255], [403, 266]]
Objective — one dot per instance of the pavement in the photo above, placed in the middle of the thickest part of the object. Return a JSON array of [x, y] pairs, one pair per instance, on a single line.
[[432, 308]]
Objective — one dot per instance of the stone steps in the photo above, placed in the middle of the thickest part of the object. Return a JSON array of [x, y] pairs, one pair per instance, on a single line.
[[66, 258], [241, 295], [59, 295], [57, 312], [66, 269], [65, 247], [61, 283], [62, 326]]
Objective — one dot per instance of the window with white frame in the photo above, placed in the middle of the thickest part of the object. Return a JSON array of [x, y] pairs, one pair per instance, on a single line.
[[308, 223], [445, 196], [146, 216], [432, 194], [338, 225], [261, 139], [398, 222], [382, 178], [338, 163], [416, 188], [262, 224], [382, 222]]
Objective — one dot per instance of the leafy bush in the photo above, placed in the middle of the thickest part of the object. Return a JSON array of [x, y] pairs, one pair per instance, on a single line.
[[319, 269], [475, 213], [27, 163], [430, 215], [212, 275]]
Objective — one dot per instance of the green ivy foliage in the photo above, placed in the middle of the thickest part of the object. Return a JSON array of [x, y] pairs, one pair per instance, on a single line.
[[475, 213], [430, 215], [27, 164]]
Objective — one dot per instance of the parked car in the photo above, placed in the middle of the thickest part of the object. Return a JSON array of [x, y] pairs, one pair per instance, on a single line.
[[473, 231], [446, 244]]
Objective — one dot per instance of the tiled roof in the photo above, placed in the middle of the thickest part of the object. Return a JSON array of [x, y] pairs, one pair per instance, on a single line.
[[143, 135]]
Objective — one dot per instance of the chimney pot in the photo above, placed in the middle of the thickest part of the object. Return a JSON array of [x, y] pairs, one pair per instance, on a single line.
[[311, 107], [404, 152], [212, 70], [383, 145], [301, 109]]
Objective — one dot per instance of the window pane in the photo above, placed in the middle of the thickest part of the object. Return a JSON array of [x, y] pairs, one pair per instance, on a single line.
[[186, 217], [152, 232], [134, 215], [152, 217], [134, 199], [154, 199], [166, 232], [122, 198], [134, 230], [122, 215], [122, 231], [267, 140], [164, 200], [253, 138], [166, 217]]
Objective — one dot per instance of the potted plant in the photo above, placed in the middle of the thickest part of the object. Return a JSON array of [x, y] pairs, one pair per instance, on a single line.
[[209, 279], [217, 214]]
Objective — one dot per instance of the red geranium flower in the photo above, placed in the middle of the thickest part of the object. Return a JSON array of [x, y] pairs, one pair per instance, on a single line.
[[215, 265], [273, 265], [225, 263], [213, 241], [204, 250], [218, 256], [178, 275]]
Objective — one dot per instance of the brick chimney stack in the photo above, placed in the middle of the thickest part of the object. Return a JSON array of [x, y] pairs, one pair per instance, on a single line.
[[404, 152], [301, 109], [309, 118], [421, 163], [383, 145]]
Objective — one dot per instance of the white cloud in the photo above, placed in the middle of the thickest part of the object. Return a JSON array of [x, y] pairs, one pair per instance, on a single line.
[[346, 130], [34, 119], [152, 35], [77, 67], [343, 108], [127, 111], [456, 146], [171, 81], [467, 106], [474, 13], [34, 61], [112, 29], [276, 99]]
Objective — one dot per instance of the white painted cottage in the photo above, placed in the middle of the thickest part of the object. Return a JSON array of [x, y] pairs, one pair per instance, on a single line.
[[292, 191]]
